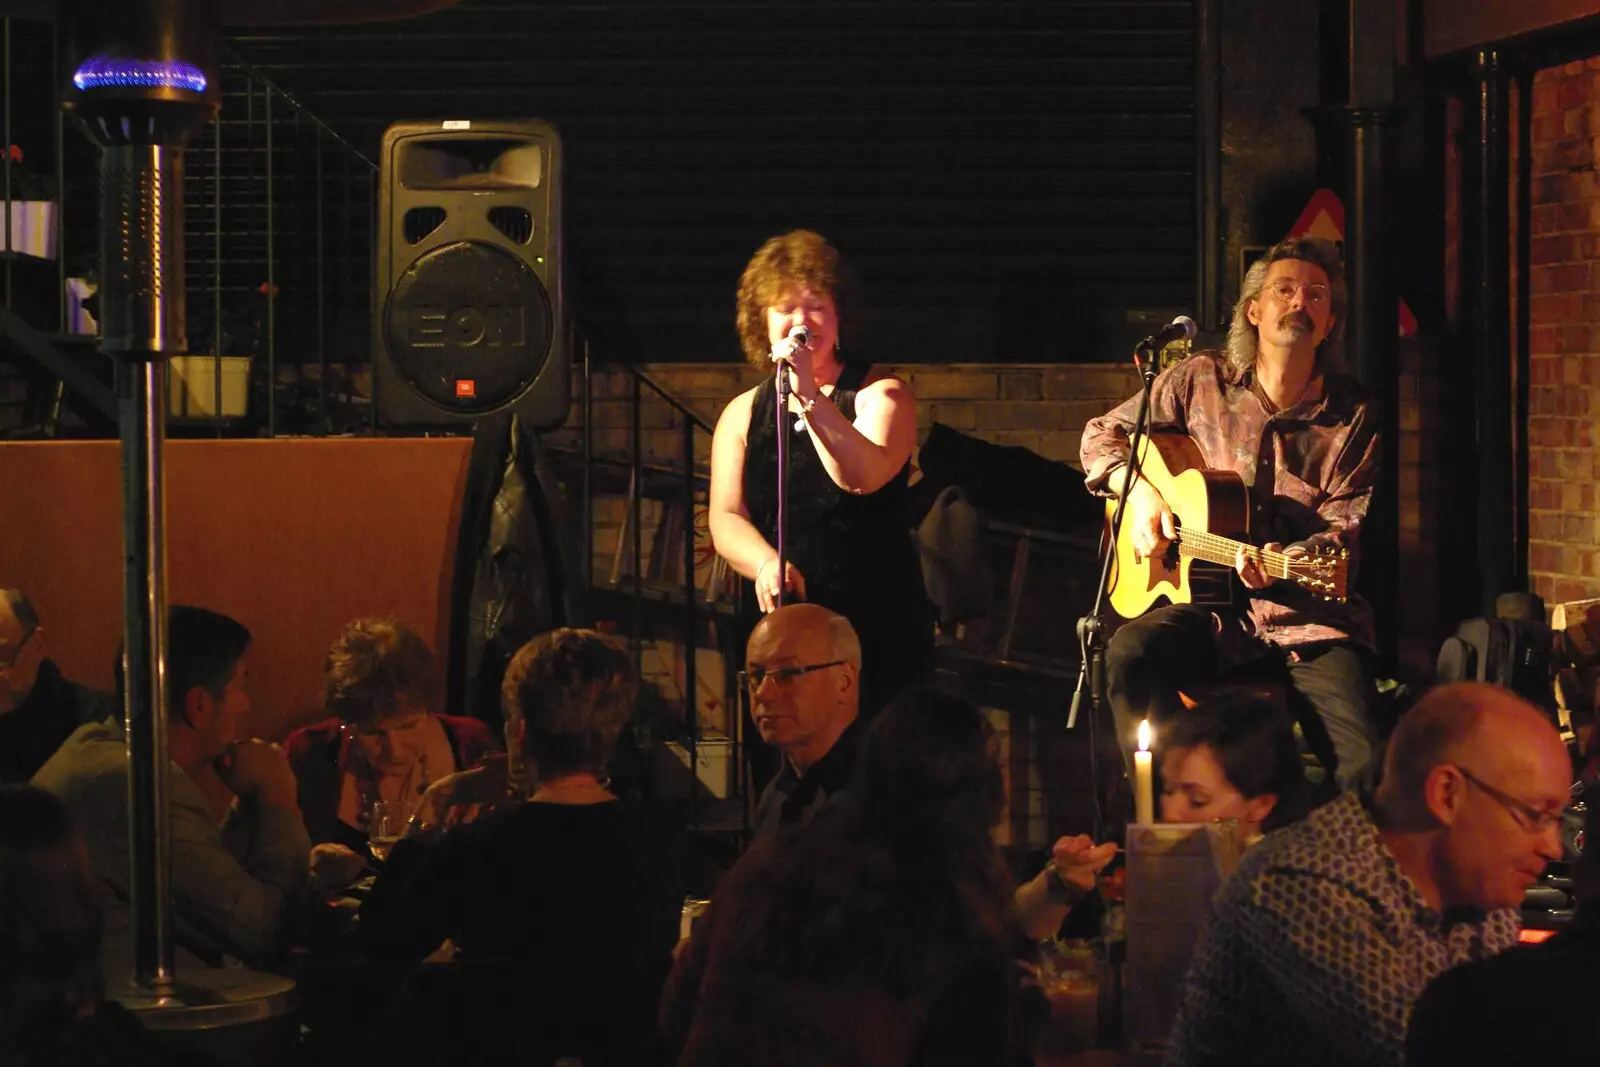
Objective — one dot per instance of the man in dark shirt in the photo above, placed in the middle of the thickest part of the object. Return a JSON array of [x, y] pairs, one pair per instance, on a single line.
[[803, 673], [38, 707]]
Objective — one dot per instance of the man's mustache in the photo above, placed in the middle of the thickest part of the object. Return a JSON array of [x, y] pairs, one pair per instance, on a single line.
[[1296, 318]]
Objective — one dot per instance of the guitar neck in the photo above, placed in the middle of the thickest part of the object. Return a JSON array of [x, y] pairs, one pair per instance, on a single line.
[[1214, 548]]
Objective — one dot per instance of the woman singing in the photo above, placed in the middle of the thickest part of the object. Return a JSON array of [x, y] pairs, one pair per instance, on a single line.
[[850, 431]]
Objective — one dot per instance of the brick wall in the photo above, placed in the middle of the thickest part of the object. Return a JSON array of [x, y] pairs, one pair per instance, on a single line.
[[1564, 318]]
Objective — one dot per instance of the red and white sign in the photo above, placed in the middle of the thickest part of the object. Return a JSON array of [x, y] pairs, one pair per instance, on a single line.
[[466, 388], [1324, 217]]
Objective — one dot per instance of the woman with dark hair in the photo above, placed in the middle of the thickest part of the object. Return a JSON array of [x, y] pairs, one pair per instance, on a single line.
[[52, 1010], [383, 742], [1229, 757], [1233, 757], [851, 430], [879, 935]]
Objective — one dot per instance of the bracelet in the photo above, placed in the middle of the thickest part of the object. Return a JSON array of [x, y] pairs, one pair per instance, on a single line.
[[757, 578], [1060, 891], [806, 404]]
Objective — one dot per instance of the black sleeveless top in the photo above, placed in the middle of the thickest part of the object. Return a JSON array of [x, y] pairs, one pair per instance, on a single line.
[[854, 550]]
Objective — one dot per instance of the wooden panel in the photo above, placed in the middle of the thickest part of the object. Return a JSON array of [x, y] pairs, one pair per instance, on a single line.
[[1452, 26], [291, 537]]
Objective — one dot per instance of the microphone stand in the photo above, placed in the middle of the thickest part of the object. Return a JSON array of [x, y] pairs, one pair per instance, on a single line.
[[781, 386], [1091, 627]]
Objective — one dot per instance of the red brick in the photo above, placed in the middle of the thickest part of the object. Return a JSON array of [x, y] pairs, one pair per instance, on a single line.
[[1545, 217], [1557, 248], [1544, 557]]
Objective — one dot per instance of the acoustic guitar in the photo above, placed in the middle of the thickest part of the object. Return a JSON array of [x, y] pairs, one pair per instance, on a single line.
[[1211, 511]]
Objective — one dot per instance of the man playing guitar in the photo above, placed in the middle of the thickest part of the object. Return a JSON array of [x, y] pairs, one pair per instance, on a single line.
[[1274, 409]]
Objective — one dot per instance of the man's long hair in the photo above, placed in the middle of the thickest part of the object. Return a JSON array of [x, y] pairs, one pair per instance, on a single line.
[[897, 884], [1242, 333]]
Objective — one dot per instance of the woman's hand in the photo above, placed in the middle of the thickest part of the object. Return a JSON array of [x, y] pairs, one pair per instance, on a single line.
[[766, 583], [333, 866], [1077, 860], [463, 796], [802, 375]]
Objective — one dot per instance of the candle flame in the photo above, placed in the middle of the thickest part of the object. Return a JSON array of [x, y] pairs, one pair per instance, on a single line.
[[1144, 735]]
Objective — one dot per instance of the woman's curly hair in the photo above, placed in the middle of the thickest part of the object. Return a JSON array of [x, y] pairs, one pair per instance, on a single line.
[[374, 662], [794, 260], [573, 690]]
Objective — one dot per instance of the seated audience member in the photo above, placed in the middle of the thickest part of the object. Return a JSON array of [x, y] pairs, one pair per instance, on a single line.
[[38, 707], [53, 1011], [1325, 935], [563, 910], [879, 936], [803, 674], [234, 887], [1232, 757], [1524, 1005], [383, 742]]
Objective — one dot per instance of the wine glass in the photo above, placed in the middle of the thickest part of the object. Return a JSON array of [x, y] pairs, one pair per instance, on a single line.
[[384, 827]]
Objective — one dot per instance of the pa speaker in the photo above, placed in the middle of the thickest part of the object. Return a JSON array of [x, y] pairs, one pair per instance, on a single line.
[[468, 317]]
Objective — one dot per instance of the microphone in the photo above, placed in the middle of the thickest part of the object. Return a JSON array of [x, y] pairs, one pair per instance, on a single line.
[[1179, 329], [799, 337]]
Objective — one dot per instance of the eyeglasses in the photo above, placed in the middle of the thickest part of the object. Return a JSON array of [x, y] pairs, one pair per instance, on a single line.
[[9, 660], [1525, 815], [1284, 289], [782, 677]]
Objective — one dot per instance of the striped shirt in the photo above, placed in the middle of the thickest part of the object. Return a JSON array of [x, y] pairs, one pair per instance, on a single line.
[[1309, 470]]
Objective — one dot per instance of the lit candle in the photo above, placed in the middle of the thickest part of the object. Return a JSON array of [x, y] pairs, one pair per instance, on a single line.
[[1144, 800]]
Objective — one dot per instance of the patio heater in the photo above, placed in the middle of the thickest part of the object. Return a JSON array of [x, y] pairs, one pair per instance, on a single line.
[[141, 82]]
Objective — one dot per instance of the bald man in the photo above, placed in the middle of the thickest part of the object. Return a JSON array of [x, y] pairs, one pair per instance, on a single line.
[[1323, 938], [803, 674]]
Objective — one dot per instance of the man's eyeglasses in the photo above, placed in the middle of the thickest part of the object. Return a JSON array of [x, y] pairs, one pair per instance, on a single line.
[[1284, 289], [781, 676], [9, 659], [1522, 813]]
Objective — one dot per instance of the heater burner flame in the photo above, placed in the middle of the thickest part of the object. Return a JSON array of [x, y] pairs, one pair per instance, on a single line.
[[104, 73]]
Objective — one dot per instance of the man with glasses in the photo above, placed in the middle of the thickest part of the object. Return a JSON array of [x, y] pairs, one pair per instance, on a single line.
[[1273, 408], [39, 708], [1322, 939], [802, 677]]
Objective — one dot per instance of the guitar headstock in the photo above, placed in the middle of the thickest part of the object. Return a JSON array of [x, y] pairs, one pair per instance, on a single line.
[[1324, 570]]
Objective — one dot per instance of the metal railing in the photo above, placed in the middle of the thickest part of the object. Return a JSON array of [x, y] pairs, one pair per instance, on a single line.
[[700, 605]]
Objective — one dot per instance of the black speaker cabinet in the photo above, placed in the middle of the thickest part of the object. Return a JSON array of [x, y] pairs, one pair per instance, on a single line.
[[468, 317]]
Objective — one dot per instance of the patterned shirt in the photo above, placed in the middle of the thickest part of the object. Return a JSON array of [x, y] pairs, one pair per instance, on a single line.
[[1309, 470], [1316, 949]]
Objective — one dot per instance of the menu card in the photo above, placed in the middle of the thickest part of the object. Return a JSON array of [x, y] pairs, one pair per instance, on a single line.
[[1174, 870]]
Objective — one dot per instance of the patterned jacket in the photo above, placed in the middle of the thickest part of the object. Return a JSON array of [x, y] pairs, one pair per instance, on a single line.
[[1316, 950], [1309, 470]]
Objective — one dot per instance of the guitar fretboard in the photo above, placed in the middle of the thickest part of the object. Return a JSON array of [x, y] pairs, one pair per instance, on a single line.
[[1214, 548]]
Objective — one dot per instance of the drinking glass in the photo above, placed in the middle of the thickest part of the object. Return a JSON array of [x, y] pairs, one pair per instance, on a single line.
[[384, 827]]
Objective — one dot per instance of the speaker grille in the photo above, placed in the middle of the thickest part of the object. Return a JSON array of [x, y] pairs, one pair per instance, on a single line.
[[469, 326], [515, 222], [421, 221]]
